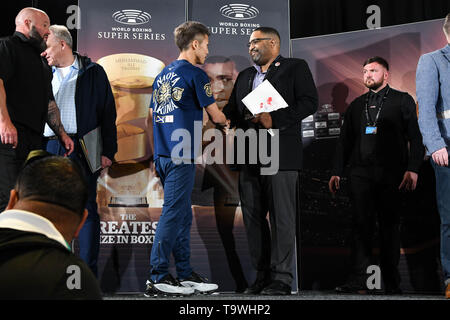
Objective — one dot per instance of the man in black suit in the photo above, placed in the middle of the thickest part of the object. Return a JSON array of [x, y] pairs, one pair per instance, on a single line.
[[272, 249], [381, 141]]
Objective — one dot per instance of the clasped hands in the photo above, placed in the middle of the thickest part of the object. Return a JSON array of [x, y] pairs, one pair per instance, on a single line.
[[264, 118], [224, 127]]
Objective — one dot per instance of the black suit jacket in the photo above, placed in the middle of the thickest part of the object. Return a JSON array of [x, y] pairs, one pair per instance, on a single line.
[[293, 80], [397, 145]]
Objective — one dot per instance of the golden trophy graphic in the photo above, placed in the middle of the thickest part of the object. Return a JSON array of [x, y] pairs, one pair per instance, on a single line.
[[130, 182]]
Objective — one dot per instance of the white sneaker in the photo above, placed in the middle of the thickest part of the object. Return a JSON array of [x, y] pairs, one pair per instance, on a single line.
[[198, 283], [167, 286]]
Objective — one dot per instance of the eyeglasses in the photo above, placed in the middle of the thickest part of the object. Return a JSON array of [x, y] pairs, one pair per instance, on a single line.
[[256, 40]]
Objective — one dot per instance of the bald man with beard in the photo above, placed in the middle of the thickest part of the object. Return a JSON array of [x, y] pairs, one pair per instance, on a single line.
[[26, 99]]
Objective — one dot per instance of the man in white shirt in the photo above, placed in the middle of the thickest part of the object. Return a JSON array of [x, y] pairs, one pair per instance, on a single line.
[[84, 97]]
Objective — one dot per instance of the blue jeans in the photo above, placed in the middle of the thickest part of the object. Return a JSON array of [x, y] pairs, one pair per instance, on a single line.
[[174, 226], [443, 204], [89, 236]]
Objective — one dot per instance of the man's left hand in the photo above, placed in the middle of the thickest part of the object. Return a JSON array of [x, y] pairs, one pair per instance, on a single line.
[[265, 119], [67, 142], [106, 162], [409, 181]]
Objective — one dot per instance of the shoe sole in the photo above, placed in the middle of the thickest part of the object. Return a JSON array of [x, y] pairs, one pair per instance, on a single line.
[[167, 295], [205, 292], [275, 294]]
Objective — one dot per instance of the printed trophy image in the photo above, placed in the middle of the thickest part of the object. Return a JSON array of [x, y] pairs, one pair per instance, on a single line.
[[127, 182]]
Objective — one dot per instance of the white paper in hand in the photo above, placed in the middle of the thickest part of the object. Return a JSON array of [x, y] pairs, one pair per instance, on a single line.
[[264, 98]]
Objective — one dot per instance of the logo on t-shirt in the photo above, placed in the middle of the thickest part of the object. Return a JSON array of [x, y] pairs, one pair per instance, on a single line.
[[208, 90], [177, 93], [166, 94]]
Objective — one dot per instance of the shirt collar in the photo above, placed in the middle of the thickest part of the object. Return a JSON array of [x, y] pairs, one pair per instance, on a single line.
[[258, 68], [75, 65], [381, 92], [21, 36], [29, 41], [446, 49], [30, 222]]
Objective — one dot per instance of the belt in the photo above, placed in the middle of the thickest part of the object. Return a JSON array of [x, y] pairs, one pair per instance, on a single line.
[[444, 115], [72, 135]]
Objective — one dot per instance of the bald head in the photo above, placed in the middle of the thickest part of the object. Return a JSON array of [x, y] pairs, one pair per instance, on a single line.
[[29, 14], [33, 23]]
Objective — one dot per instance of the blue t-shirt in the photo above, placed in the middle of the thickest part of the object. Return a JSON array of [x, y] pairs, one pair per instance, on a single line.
[[180, 92]]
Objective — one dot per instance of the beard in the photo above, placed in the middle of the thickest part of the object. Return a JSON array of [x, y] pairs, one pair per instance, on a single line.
[[374, 85], [258, 58], [37, 40]]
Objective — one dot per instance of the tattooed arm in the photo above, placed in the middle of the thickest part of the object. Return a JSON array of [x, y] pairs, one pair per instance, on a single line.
[[54, 122]]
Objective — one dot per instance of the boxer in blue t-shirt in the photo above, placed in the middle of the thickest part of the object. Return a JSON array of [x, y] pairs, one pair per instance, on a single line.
[[180, 92]]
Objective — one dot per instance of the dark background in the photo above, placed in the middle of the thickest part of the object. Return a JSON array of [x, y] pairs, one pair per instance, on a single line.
[[308, 18]]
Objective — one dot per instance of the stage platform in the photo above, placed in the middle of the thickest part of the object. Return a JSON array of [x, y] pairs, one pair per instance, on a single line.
[[302, 295]]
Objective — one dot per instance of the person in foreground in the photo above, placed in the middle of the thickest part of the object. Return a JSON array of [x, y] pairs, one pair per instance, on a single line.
[[381, 141], [26, 99], [83, 94], [180, 92], [433, 95], [45, 212], [272, 246]]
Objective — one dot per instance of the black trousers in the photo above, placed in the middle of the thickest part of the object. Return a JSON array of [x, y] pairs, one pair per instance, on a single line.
[[272, 247], [12, 160], [374, 200]]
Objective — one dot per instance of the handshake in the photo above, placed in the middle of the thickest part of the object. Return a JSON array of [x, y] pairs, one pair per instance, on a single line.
[[222, 123]]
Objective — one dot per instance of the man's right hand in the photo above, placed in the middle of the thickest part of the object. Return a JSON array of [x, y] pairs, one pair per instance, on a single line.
[[8, 133], [440, 157], [333, 184], [216, 115]]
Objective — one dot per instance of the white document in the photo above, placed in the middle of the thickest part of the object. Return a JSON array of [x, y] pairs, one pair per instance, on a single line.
[[264, 98]]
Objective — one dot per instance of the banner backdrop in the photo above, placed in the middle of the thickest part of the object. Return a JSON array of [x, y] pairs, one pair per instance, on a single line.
[[133, 41], [336, 63]]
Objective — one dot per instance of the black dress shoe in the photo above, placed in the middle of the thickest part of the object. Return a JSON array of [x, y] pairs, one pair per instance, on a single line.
[[241, 288], [257, 286], [392, 291], [351, 288], [276, 288]]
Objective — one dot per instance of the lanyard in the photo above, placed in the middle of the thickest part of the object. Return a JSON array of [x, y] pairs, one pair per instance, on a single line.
[[369, 119]]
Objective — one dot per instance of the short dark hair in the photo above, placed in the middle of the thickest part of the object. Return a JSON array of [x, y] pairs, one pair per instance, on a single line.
[[446, 26], [269, 30], [187, 32], [53, 179], [378, 60]]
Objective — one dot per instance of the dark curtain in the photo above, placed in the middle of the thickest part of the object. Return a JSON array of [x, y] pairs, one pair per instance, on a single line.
[[319, 17], [308, 17]]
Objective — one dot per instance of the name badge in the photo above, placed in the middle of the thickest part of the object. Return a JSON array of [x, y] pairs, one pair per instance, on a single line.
[[371, 130]]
